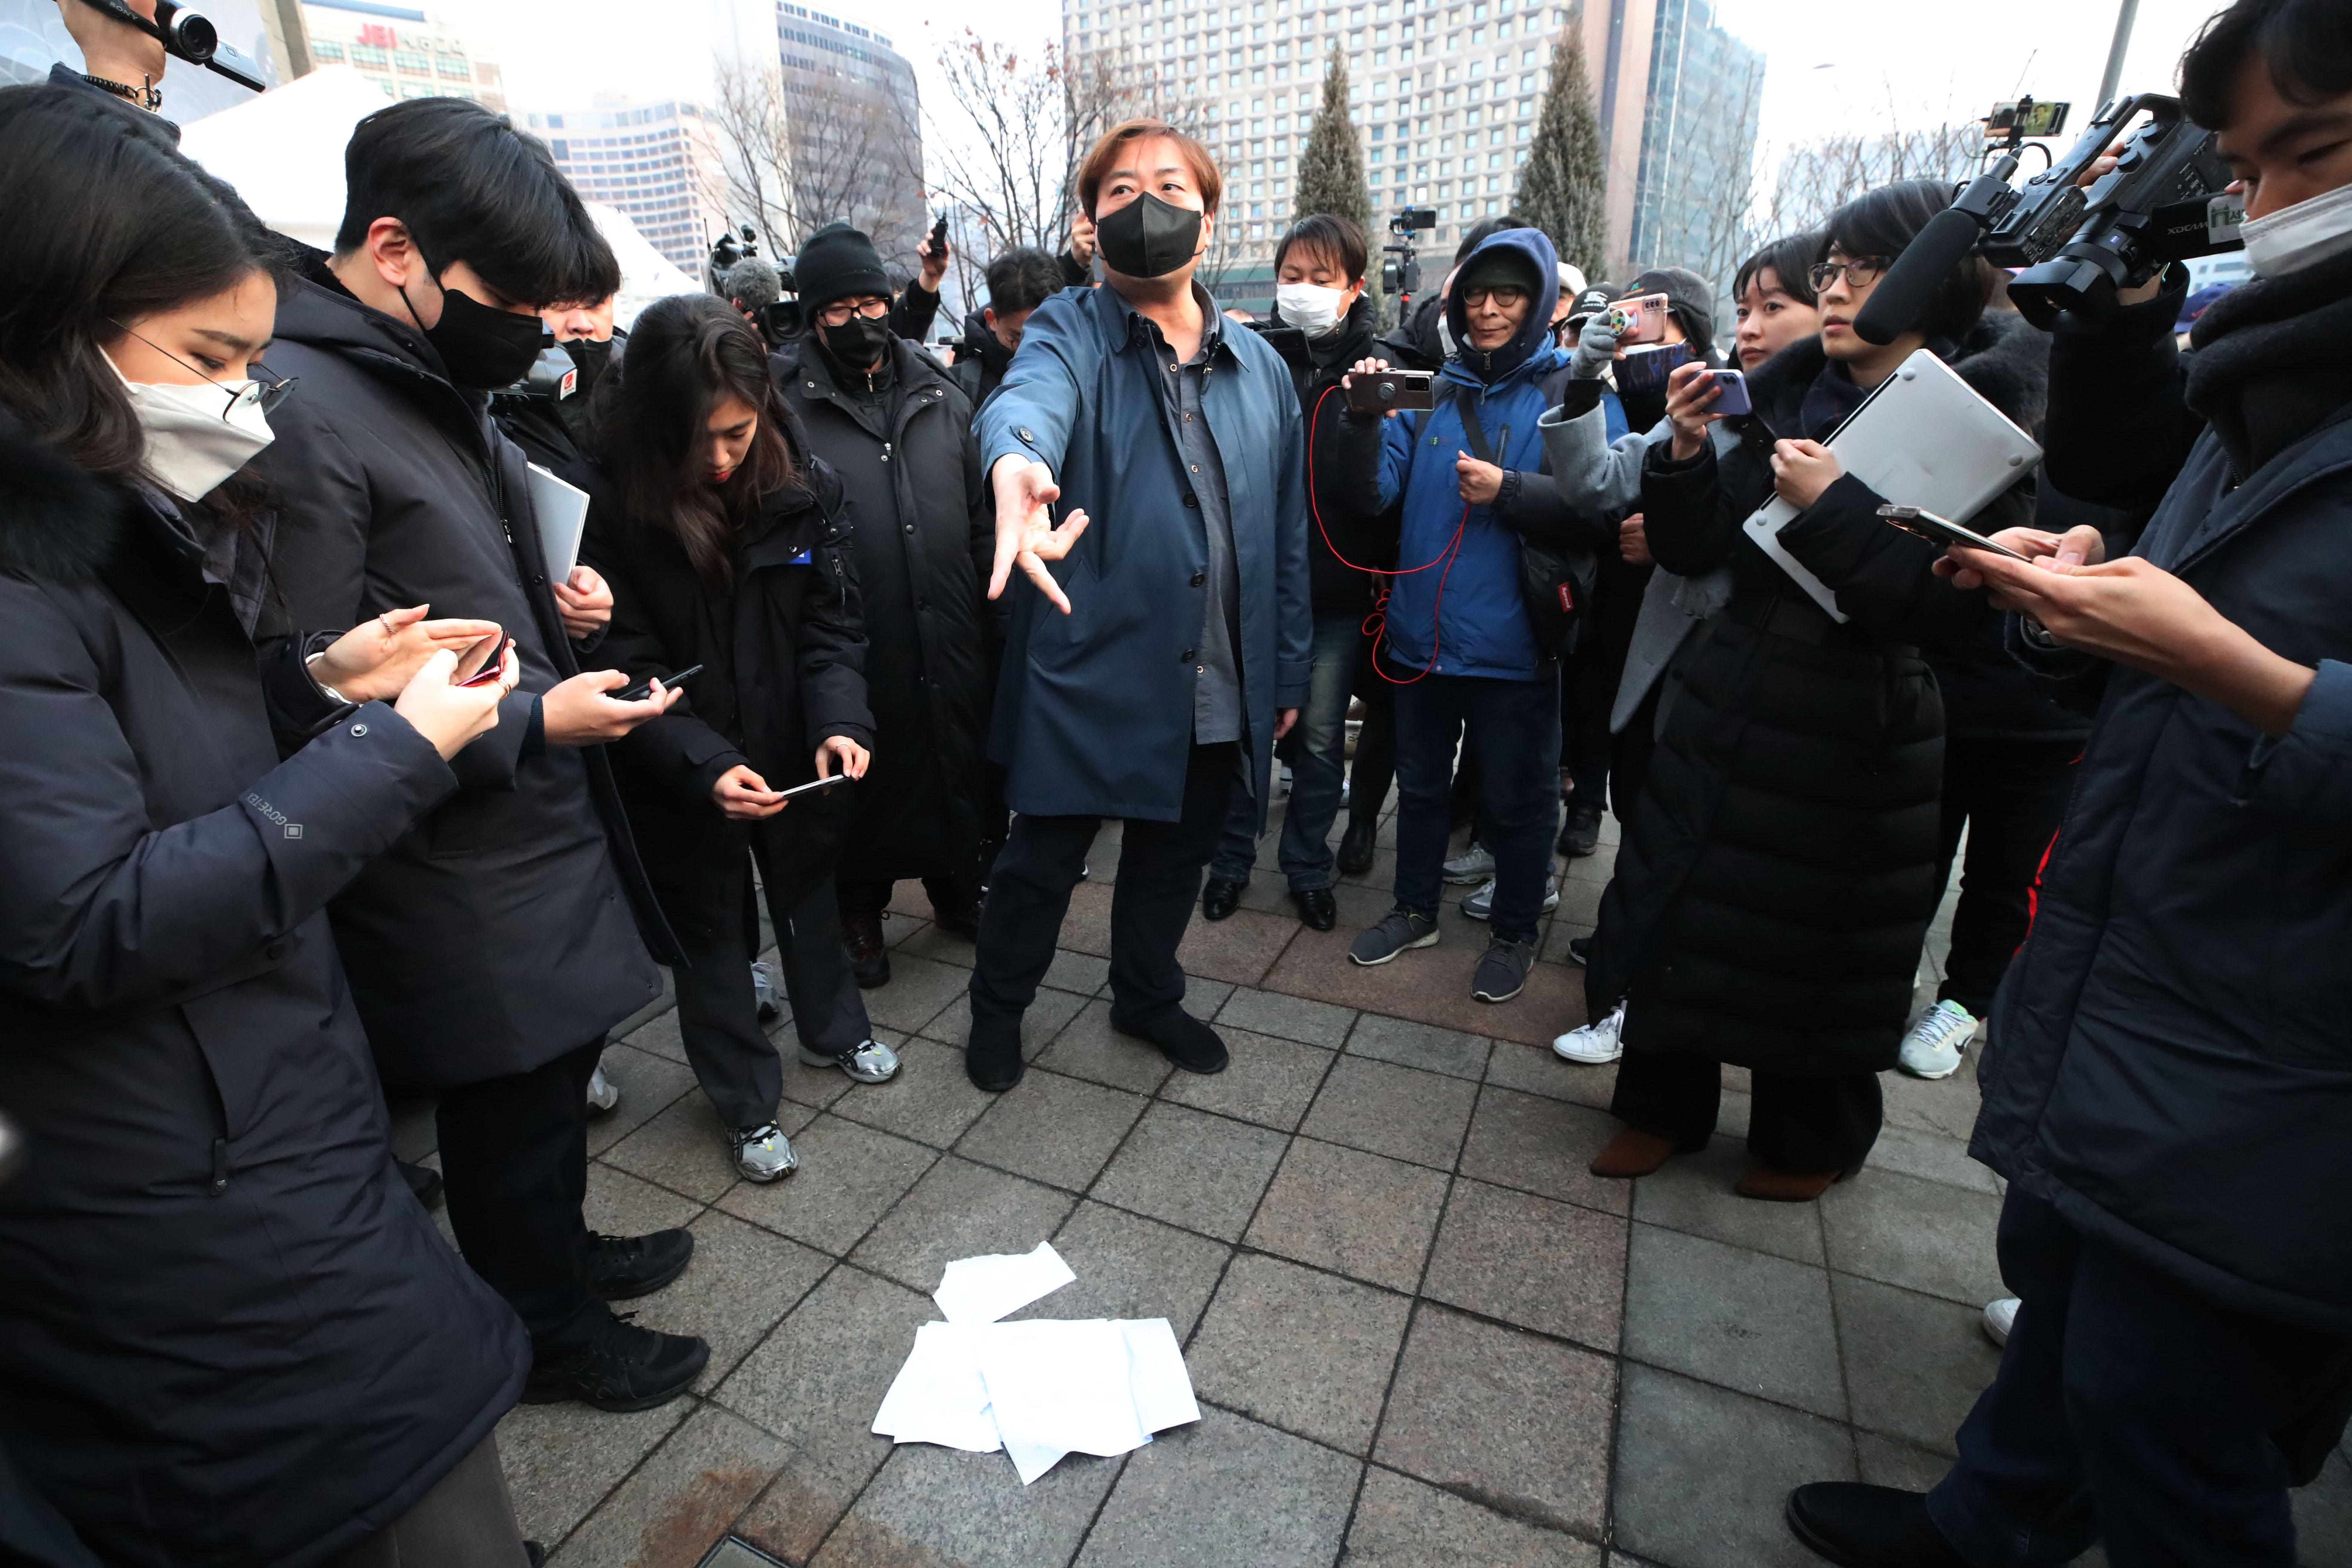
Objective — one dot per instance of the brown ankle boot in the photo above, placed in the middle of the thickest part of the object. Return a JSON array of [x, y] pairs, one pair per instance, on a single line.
[[1768, 1185], [1631, 1153], [870, 956]]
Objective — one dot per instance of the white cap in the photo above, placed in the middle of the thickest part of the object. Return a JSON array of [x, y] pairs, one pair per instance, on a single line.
[[1571, 281]]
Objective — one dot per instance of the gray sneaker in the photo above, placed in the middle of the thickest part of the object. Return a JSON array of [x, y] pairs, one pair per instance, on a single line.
[[764, 994], [1398, 930], [763, 1153], [1480, 905], [872, 1062], [1473, 865], [1503, 971], [603, 1093]]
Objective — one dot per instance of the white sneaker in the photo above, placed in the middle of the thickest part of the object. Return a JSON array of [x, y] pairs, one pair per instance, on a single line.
[[763, 1153], [764, 993], [1480, 905], [603, 1093], [1933, 1047], [1594, 1045], [1472, 866], [872, 1062], [1999, 1318]]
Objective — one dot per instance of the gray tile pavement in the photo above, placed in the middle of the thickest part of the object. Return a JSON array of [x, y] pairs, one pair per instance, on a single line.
[[1421, 1333]]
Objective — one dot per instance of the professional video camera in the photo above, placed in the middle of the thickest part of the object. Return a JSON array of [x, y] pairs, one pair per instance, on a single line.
[[552, 376], [2163, 202], [188, 35], [782, 320], [1400, 268]]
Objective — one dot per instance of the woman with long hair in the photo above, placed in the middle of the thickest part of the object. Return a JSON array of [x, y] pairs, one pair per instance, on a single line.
[[232, 1332], [724, 548]]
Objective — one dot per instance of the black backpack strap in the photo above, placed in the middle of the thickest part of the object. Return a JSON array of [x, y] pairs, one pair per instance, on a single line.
[[1472, 431]]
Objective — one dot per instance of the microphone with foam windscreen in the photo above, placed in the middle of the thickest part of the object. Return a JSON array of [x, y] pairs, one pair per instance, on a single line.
[[1908, 285]]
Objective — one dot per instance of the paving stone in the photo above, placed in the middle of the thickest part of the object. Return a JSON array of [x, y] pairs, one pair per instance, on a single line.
[[1190, 1169], [849, 1176], [561, 1460], [935, 943], [1534, 1069], [1080, 971], [1287, 1018], [1240, 948], [1205, 998], [1357, 1213], [931, 1101], [742, 1279], [1515, 1421], [1931, 1157], [1944, 1106], [648, 1085], [1888, 1462], [940, 1508], [1129, 1266], [815, 1382], [1047, 1016], [1701, 1473], [1053, 1128], [1086, 927], [1270, 1082], [1300, 1349], [960, 1210], [1692, 1194], [1091, 1049], [1542, 1146], [681, 1501], [621, 1204], [657, 1036], [413, 1132], [1402, 1523], [2322, 1516], [1747, 1320], [1403, 1112], [684, 1148], [1914, 1363], [919, 990], [1925, 1236], [1543, 1265], [1431, 985], [1411, 1045], [1225, 1490]]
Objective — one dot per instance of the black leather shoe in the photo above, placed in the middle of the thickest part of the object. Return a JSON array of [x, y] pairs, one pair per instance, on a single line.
[[1581, 834], [624, 1368], [869, 958], [621, 1267], [1221, 897], [964, 923], [992, 1058], [1182, 1038], [1355, 847], [1316, 908], [1859, 1526], [423, 1181]]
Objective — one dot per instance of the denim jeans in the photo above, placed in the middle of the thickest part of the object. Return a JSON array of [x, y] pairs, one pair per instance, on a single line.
[[1317, 766], [1514, 734]]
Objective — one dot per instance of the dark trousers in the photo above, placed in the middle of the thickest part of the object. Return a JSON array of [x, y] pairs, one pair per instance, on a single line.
[[514, 1156], [1513, 732], [2009, 795], [2128, 1409], [871, 895], [1374, 768], [718, 1016], [1160, 867], [1801, 1125], [466, 1520]]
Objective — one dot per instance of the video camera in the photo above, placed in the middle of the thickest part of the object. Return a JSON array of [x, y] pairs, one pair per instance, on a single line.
[[188, 35], [1400, 268], [783, 319], [2163, 202], [552, 376]]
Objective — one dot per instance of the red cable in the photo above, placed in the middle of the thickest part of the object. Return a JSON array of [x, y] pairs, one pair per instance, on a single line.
[[1376, 623]]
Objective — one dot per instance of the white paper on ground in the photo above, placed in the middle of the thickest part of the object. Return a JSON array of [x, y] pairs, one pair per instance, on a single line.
[[1156, 1377], [939, 1395], [563, 512], [1060, 1387], [982, 1289]]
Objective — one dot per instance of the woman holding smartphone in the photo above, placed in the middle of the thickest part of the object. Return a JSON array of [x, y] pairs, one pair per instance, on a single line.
[[236, 1337], [724, 548]]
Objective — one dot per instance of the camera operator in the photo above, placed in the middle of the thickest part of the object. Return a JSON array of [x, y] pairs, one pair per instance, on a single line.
[[233, 1334], [752, 285], [2164, 1087], [1018, 282], [1173, 645], [491, 952]]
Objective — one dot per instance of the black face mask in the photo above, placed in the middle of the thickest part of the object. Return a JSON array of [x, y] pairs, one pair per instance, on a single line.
[[481, 347], [590, 356], [858, 342], [1147, 237]]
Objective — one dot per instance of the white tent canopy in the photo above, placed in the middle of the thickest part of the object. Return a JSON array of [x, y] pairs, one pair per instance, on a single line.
[[283, 150]]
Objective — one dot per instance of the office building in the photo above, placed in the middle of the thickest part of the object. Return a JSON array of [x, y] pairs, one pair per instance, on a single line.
[[409, 53], [1698, 142], [856, 125], [658, 162]]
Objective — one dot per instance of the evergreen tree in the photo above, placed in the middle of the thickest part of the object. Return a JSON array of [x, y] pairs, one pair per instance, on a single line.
[[1563, 183], [1331, 170]]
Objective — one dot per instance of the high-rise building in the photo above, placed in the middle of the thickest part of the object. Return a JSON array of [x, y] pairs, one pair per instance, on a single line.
[[409, 53], [659, 164], [855, 122], [1698, 142]]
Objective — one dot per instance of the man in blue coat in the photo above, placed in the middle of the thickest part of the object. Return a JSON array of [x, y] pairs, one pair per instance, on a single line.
[[1172, 643]]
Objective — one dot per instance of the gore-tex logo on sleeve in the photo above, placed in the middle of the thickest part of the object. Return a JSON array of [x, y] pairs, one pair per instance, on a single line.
[[293, 829]]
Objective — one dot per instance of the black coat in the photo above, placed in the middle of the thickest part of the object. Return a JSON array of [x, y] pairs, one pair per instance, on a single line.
[[228, 1334], [504, 931], [1342, 537], [1773, 890], [924, 541], [781, 648], [981, 361]]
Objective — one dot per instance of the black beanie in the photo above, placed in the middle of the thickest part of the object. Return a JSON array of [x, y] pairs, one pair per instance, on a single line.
[[835, 263]]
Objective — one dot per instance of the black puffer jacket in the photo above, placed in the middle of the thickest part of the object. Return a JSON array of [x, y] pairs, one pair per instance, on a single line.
[[1775, 886], [981, 361], [1341, 538], [229, 1337]]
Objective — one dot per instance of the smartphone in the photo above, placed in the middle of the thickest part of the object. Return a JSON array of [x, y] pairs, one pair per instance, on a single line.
[[938, 235], [481, 664], [1640, 319], [1943, 531], [1731, 394], [1380, 390], [645, 689], [819, 786]]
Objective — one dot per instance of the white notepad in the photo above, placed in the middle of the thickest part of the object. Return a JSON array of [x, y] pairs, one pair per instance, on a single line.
[[563, 511], [1924, 438]]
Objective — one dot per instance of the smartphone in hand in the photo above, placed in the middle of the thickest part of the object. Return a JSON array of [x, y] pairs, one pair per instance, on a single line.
[[645, 689], [1640, 319], [1943, 532], [481, 664], [1730, 393]]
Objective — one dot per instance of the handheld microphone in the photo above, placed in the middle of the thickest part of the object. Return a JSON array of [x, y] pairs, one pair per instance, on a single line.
[[1908, 285]]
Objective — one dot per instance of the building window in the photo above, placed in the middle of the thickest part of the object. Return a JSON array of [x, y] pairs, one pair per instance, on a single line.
[[416, 60], [326, 51], [370, 55]]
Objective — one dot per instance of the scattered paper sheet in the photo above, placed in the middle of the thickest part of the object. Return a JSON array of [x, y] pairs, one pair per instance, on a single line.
[[1156, 1376], [1059, 1387], [982, 1289], [939, 1395]]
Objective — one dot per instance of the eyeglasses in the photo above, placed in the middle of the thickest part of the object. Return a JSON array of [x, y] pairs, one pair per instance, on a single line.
[[837, 315], [1860, 271], [1505, 296], [265, 391]]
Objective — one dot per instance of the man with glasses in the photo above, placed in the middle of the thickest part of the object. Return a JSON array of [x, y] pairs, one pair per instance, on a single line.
[[897, 430]]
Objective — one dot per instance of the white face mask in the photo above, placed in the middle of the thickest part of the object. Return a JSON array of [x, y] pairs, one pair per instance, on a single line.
[[2293, 237], [1313, 310], [191, 448]]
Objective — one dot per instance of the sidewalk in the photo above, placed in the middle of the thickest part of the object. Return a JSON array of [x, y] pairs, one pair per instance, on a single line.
[[1421, 1332]]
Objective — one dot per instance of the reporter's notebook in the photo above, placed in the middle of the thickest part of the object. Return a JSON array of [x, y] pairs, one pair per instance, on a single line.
[[1924, 438]]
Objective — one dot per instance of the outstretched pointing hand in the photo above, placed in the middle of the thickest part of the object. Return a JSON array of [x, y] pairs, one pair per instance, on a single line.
[[1025, 534]]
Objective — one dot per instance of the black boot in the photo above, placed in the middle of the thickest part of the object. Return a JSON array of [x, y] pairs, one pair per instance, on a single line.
[[1859, 1526], [622, 1267], [1580, 835], [1182, 1038], [991, 1058], [870, 960], [625, 1367], [1355, 847]]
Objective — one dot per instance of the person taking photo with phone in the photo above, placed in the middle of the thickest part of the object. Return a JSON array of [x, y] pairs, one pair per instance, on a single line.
[[233, 1333]]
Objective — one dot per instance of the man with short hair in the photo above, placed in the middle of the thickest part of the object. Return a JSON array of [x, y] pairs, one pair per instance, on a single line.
[[752, 285], [491, 950], [1018, 282]]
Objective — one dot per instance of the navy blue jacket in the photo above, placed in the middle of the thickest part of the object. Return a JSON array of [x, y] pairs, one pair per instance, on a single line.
[[1094, 709]]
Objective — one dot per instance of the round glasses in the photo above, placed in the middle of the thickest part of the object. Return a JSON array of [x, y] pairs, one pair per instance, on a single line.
[[1861, 272], [1505, 295]]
